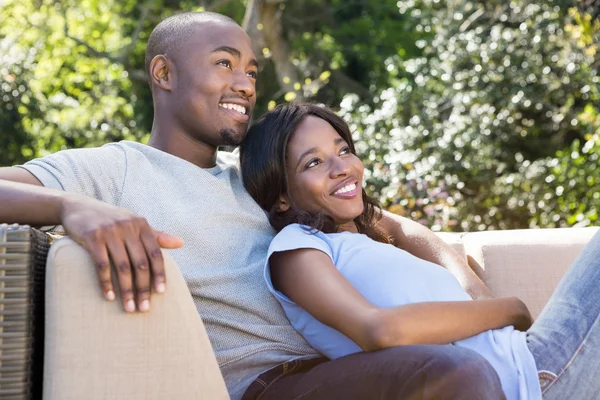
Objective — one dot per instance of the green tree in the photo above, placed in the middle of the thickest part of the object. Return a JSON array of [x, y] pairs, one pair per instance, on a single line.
[[500, 89], [74, 75], [469, 114]]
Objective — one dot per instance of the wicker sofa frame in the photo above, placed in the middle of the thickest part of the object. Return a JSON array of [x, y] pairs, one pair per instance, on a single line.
[[23, 253]]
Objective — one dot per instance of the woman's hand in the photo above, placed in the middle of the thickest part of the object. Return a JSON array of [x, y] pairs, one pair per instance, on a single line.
[[523, 319]]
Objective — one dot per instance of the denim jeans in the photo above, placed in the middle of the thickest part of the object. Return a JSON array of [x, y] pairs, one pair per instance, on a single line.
[[565, 339]]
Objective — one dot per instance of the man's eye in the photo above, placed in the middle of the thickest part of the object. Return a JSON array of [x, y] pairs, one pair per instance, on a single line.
[[225, 63], [313, 163], [252, 74]]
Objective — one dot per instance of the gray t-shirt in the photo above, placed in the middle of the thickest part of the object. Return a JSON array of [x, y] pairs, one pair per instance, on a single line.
[[226, 240]]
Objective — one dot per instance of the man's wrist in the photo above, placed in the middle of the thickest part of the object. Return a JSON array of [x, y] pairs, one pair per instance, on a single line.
[[66, 201]]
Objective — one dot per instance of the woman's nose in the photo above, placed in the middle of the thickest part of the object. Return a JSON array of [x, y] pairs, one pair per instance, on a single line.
[[339, 167]]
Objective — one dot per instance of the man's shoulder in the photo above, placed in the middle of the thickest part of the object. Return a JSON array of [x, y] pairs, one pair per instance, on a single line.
[[108, 154], [119, 153], [91, 171]]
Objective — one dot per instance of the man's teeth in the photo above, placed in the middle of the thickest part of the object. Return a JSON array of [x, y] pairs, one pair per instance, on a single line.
[[347, 188], [235, 107]]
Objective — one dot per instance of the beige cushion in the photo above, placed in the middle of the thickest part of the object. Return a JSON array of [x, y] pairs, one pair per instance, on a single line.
[[525, 263], [94, 350]]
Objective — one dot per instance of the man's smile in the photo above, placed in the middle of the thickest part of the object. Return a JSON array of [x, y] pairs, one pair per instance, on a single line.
[[237, 111]]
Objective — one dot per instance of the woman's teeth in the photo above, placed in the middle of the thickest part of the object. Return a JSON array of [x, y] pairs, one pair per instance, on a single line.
[[346, 189]]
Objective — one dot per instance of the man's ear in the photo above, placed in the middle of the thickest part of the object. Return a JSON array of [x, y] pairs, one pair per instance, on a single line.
[[160, 72], [282, 204]]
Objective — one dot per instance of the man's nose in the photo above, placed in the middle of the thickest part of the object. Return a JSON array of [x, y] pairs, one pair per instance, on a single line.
[[243, 84]]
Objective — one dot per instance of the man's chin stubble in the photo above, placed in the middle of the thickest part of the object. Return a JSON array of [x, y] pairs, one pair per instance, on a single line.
[[231, 137]]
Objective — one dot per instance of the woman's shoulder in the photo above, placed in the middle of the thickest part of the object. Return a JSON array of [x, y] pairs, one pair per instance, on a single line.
[[297, 236], [299, 232]]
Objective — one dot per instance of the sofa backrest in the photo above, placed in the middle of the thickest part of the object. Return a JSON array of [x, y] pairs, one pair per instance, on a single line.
[[526, 263]]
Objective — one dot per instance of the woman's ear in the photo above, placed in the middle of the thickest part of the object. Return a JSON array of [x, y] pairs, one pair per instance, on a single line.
[[282, 204]]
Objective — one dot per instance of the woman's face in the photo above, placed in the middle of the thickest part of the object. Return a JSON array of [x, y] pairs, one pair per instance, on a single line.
[[323, 174]]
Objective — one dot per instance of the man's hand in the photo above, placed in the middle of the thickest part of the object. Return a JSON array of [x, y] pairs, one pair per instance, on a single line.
[[423, 243], [110, 233], [107, 232]]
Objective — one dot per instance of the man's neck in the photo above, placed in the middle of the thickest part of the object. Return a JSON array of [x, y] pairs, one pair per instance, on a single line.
[[179, 144]]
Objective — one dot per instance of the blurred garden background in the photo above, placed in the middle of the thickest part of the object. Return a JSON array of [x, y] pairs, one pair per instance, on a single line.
[[469, 115]]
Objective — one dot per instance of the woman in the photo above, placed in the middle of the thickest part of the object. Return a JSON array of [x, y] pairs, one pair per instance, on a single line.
[[345, 287]]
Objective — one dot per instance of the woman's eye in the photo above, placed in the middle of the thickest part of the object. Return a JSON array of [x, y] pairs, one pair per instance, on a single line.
[[225, 63], [345, 150], [252, 74]]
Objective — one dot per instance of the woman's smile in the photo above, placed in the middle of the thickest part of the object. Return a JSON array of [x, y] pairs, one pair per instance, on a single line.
[[348, 190], [323, 174]]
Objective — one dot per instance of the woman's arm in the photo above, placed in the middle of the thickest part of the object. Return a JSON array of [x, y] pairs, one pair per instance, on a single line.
[[310, 279], [423, 243]]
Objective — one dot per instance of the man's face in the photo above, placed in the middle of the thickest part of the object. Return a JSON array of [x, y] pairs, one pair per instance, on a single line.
[[214, 92]]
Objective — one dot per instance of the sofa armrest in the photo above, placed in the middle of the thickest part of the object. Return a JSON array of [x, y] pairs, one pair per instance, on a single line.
[[525, 263], [94, 350]]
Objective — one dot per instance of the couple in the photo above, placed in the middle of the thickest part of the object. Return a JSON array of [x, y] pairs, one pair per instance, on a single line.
[[116, 201]]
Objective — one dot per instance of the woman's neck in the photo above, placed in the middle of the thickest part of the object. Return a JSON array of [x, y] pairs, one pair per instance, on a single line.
[[348, 227]]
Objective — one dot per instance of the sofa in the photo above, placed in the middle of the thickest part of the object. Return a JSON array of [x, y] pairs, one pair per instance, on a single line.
[[93, 350]]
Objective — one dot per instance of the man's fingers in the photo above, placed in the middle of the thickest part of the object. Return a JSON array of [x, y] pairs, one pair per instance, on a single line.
[[167, 241], [141, 272], [157, 265], [99, 255], [120, 259]]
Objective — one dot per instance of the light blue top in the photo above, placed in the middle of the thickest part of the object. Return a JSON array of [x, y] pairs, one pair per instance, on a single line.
[[388, 276]]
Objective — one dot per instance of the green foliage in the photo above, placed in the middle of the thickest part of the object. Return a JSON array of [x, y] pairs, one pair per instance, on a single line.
[[80, 64], [74, 93], [501, 89], [468, 114], [351, 38]]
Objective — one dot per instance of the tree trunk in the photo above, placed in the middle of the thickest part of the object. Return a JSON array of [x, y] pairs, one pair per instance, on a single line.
[[268, 14]]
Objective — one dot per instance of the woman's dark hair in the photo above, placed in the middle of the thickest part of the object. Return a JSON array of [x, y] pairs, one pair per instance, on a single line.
[[263, 156]]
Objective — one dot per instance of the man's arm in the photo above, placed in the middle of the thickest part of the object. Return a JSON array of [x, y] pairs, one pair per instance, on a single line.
[[25, 201], [423, 243], [16, 174], [107, 232]]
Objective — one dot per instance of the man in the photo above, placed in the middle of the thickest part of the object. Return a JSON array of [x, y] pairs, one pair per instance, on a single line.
[[117, 200]]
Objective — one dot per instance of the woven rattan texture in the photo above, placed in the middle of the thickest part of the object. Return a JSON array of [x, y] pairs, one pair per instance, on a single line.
[[23, 253]]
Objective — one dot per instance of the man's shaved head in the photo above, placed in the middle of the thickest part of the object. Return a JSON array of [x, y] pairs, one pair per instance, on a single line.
[[170, 33], [202, 71]]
